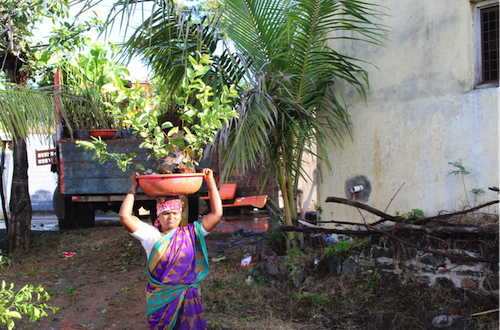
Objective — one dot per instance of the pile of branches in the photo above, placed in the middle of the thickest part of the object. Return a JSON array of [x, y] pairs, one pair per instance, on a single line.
[[430, 225]]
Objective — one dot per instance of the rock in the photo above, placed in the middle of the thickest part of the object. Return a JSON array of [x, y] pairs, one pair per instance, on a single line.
[[467, 283], [260, 271], [258, 246], [433, 260], [334, 264], [271, 268], [349, 268], [378, 252], [442, 321], [269, 255]]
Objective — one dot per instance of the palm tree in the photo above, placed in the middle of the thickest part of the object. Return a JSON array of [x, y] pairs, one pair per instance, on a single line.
[[21, 111], [291, 104]]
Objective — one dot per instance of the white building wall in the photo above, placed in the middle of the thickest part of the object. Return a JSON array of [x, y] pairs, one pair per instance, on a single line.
[[41, 181], [422, 112]]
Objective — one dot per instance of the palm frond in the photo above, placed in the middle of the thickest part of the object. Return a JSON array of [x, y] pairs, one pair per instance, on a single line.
[[23, 110]]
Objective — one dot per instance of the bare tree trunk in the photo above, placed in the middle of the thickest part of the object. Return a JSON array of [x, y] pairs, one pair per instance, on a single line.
[[2, 195], [20, 203]]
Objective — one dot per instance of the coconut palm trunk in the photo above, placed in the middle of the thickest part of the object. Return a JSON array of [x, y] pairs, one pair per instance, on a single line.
[[19, 229], [21, 110]]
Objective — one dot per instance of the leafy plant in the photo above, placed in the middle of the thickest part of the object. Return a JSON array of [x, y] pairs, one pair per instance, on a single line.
[[342, 247], [460, 170], [197, 129], [415, 213], [477, 191], [294, 261], [319, 211], [319, 300], [262, 280], [86, 80], [27, 301]]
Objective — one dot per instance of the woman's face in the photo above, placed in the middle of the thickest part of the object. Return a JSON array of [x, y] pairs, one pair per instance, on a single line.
[[170, 220]]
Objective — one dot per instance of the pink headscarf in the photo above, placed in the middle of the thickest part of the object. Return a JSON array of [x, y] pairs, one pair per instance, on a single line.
[[169, 205]]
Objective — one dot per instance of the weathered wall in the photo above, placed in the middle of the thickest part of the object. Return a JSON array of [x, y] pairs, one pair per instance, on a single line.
[[423, 111]]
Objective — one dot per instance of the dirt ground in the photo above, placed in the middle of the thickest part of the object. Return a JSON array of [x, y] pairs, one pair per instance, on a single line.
[[103, 287]]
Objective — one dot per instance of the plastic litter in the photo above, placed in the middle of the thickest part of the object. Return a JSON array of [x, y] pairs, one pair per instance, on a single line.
[[67, 254], [246, 261], [328, 239], [249, 280]]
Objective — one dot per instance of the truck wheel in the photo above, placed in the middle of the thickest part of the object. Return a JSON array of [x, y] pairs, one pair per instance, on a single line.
[[64, 210], [71, 215], [85, 215]]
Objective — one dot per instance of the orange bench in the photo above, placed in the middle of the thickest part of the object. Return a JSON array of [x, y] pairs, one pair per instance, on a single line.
[[227, 191]]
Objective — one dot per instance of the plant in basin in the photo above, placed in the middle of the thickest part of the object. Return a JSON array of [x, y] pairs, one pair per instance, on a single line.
[[176, 149]]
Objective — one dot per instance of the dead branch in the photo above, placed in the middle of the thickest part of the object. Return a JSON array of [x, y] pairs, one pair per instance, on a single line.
[[439, 253], [363, 207], [335, 221], [387, 217], [449, 215], [449, 229], [393, 197]]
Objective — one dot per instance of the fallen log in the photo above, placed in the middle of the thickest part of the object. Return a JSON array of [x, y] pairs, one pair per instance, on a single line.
[[321, 230], [439, 253], [381, 231]]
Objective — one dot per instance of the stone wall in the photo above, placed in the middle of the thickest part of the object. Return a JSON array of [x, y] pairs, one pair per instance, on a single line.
[[421, 267]]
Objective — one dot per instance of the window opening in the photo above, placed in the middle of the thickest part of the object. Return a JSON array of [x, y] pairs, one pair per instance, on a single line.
[[489, 44]]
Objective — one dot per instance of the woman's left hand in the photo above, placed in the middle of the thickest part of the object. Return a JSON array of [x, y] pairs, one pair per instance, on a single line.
[[209, 174]]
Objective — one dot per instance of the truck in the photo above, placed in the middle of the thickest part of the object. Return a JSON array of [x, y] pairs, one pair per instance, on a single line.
[[85, 186]]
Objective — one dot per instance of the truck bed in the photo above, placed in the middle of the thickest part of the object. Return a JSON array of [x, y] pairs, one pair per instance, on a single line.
[[79, 174]]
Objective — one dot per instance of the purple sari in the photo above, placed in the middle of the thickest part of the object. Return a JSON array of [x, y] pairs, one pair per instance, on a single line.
[[176, 263]]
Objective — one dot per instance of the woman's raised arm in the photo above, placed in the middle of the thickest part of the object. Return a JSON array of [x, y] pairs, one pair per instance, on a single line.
[[129, 221], [210, 220]]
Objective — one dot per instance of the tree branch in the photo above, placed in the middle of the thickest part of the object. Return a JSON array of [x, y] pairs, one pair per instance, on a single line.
[[363, 207]]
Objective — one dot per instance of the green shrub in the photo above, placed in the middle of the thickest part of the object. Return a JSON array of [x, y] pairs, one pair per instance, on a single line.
[[27, 301]]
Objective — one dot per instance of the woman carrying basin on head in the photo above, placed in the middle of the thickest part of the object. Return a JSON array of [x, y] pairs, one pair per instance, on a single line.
[[177, 258]]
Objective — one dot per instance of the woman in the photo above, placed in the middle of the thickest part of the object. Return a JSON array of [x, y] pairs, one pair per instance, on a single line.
[[177, 258]]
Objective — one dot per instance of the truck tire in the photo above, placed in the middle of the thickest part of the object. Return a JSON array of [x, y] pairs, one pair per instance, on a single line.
[[63, 209], [85, 215], [71, 215]]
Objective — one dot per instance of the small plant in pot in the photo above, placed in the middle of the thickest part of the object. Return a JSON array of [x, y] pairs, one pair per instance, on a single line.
[[176, 149]]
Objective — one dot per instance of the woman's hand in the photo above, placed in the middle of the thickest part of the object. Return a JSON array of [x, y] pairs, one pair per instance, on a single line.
[[209, 178], [134, 184]]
